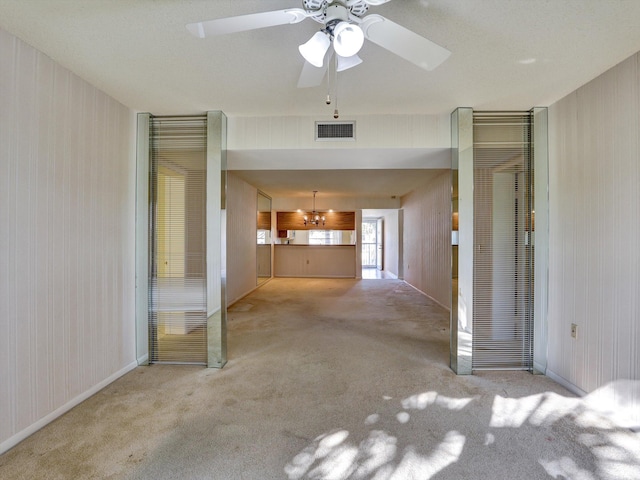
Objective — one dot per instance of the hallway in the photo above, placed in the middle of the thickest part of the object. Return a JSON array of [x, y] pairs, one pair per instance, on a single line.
[[330, 379], [372, 273]]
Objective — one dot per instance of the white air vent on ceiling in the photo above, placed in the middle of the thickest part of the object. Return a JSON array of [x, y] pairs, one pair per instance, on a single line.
[[335, 131]]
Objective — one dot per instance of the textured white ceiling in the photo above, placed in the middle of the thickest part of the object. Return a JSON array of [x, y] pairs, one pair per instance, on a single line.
[[506, 54]]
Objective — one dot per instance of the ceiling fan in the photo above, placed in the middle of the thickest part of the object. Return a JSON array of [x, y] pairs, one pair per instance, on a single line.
[[345, 26]]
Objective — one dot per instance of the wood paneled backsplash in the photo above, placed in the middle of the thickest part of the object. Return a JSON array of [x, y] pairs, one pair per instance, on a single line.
[[334, 221], [264, 220]]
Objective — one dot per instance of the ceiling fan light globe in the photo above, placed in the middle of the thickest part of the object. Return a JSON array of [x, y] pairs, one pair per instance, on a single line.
[[315, 49], [347, 39]]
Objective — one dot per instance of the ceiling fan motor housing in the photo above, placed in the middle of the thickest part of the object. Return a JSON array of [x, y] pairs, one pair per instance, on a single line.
[[335, 11]]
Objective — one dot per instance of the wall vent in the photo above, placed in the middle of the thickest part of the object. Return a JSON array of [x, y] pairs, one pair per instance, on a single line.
[[335, 131]]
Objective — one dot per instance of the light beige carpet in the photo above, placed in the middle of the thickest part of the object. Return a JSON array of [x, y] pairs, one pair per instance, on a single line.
[[330, 379]]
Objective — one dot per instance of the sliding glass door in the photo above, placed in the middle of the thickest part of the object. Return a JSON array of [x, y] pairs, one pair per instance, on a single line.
[[369, 244]]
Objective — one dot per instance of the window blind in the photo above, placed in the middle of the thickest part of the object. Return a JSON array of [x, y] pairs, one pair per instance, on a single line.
[[177, 283], [503, 254]]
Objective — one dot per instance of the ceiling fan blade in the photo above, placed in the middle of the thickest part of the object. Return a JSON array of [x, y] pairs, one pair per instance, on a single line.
[[253, 21], [313, 76], [403, 42], [345, 63]]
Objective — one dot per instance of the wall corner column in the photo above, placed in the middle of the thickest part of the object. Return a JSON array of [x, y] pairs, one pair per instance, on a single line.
[[461, 320], [401, 244], [358, 234], [216, 239], [540, 240], [143, 155]]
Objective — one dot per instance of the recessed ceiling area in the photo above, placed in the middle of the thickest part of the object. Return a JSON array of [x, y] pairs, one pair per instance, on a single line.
[[338, 158], [338, 183], [339, 172]]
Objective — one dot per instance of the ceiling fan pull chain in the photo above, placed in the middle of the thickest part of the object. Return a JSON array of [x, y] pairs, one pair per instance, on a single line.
[[328, 100], [335, 83]]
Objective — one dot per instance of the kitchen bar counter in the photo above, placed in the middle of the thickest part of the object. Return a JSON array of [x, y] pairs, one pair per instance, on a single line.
[[330, 261], [310, 245]]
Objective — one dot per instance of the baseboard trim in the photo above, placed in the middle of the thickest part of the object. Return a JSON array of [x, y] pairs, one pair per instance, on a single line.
[[448, 309], [34, 427], [144, 359], [229, 304], [539, 368], [565, 383]]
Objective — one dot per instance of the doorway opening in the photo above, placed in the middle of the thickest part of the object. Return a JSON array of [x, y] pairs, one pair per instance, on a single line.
[[380, 242]]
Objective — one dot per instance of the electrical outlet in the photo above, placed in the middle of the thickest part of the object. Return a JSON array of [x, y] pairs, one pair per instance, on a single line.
[[574, 330]]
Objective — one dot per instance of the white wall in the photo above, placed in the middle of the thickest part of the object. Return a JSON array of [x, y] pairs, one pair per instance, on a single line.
[[390, 245], [594, 231], [67, 241], [242, 208], [427, 239], [372, 131]]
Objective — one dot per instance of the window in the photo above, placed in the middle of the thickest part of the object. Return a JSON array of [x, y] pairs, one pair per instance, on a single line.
[[324, 237]]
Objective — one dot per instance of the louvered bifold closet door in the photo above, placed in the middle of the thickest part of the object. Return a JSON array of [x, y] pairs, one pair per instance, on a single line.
[[178, 301], [502, 256]]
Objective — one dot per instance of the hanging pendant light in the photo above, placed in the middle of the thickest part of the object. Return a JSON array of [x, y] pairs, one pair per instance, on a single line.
[[314, 218]]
